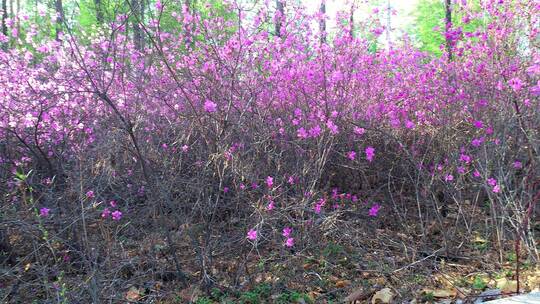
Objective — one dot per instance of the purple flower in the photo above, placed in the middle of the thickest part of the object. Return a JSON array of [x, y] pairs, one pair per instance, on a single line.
[[289, 242], [478, 124], [210, 106], [302, 133], [291, 180], [516, 84], [465, 158], [116, 215], [332, 127], [287, 232], [477, 141], [374, 210], [269, 182], [370, 153], [252, 234], [517, 164], [359, 131], [409, 124], [351, 155], [90, 194], [44, 212], [105, 213]]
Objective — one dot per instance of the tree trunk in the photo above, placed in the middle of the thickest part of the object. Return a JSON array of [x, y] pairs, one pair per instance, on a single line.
[[280, 12], [388, 23], [59, 9], [4, 25], [99, 11], [322, 25], [351, 21], [448, 21], [137, 9]]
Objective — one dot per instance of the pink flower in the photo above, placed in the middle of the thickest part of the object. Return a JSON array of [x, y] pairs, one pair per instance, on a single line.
[[289, 242], [477, 141], [461, 170], [319, 205], [517, 164], [210, 106], [301, 133], [44, 212], [359, 131], [516, 84], [113, 204], [496, 189], [476, 173], [332, 127], [185, 148], [287, 232], [90, 194], [291, 180], [449, 178], [351, 155], [252, 234], [116, 215], [105, 213], [269, 182], [409, 124], [225, 189], [465, 158], [315, 131], [478, 124], [374, 210], [270, 206], [370, 153], [491, 181]]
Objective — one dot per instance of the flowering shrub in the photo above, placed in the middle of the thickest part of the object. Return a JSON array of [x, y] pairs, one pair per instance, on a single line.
[[220, 124]]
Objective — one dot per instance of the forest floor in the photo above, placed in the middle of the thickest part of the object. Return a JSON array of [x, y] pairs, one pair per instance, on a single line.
[[366, 264]]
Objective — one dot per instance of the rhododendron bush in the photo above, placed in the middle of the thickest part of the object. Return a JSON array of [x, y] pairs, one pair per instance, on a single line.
[[220, 137]]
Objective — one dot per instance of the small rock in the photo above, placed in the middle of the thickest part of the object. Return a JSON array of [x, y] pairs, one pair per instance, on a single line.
[[488, 295]]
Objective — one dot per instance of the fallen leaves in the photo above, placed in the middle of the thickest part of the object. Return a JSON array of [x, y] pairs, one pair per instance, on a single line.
[[441, 293], [358, 295], [506, 286], [342, 283], [383, 296], [133, 294]]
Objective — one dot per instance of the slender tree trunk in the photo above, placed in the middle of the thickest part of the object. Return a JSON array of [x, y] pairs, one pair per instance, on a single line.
[[99, 11], [448, 21], [17, 10], [351, 21], [4, 25], [388, 23], [59, 9], [322, 25], [137, 8], [280, 11]]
